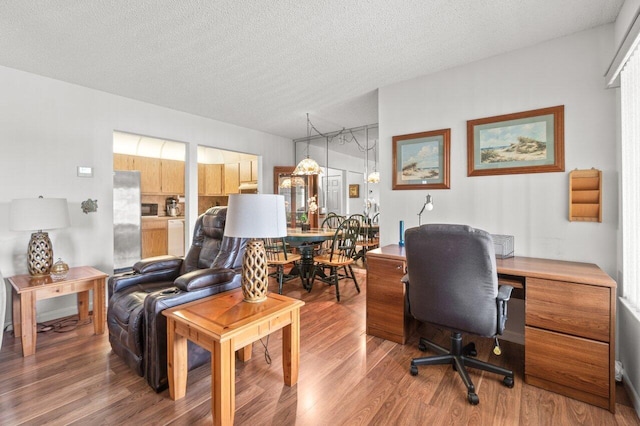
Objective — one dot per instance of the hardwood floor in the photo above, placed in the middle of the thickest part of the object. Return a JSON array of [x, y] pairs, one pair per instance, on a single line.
[[346, 378]]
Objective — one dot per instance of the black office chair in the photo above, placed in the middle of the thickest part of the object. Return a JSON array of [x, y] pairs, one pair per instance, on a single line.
[[452, 283]]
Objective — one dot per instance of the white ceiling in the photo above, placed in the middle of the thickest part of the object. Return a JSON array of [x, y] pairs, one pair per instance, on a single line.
[[265, 64]]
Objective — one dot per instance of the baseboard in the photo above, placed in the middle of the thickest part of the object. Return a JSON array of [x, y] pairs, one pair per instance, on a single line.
[[51, 315], [633, 394]]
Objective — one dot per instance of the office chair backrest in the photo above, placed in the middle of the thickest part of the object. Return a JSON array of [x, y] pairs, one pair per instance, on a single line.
[[453, 277]]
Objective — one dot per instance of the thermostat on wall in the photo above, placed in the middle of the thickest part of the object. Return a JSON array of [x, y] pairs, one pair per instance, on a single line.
[[84, 171]]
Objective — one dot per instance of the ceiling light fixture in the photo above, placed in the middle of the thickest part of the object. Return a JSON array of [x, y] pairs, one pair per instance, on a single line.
[[374, 176], [307, 166]]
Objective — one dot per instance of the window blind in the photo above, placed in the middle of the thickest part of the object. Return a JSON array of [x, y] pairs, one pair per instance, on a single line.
[[630, 109]]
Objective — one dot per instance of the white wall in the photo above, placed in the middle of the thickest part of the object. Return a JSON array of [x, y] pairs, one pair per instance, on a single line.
[[532, 207], [48, 127]]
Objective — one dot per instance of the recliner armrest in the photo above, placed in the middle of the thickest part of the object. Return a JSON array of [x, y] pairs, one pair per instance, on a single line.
[[157, 263], [203, 278], [149, 270], [504, 294]]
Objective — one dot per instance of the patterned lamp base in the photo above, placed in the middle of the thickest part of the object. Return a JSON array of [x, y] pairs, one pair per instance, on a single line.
[[255, 274], [40, 254]]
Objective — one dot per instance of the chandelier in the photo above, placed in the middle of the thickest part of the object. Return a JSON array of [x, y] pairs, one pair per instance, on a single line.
[[307, 166]]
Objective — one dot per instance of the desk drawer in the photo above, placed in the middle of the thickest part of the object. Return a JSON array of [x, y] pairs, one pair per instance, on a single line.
[[580, 367], [576, 309]]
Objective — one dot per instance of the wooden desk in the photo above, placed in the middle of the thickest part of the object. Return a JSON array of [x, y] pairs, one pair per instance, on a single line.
[[223, 324], [27, 290], [570, 319]]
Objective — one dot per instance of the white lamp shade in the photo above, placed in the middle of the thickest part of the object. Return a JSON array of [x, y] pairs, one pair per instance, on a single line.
[[256, 216], [30, 214]]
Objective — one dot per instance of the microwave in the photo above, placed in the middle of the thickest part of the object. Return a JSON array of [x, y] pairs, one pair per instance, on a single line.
[[149, 209]]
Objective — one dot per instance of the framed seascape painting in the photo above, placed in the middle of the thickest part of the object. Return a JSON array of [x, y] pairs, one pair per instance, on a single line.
[[421, 160], [522, 142]]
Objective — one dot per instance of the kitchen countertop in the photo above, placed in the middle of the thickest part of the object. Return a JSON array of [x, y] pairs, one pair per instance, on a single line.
[[162, 217]]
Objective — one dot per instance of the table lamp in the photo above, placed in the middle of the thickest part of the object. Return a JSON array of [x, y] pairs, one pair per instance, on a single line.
[[31, 214], [255, 216]]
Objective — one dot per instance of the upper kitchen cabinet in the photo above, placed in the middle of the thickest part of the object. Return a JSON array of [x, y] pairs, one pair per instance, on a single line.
[[150, 175], [157, 176], [123, 162], [210, 181], [231, 178], [172, 177], [248, 171]]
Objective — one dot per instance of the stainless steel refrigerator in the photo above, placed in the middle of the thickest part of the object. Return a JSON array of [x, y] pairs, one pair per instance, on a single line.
[[127, 238]]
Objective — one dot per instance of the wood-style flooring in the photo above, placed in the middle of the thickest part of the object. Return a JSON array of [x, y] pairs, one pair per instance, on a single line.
[[346, 378]]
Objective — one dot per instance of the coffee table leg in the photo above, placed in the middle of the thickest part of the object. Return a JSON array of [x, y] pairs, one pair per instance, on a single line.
[[176, 362], [223, 384], [291, 349]]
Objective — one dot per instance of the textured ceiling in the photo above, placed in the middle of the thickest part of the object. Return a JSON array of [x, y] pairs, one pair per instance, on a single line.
[[265, 64]]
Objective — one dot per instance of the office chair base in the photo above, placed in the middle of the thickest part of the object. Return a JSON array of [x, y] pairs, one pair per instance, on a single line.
[[459, 357]]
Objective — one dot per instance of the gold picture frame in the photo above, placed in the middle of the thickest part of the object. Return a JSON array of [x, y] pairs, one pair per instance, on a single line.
[[354, 191]]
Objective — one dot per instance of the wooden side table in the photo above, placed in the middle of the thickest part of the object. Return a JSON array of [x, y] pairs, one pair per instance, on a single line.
[[28, 289], [224, 324]]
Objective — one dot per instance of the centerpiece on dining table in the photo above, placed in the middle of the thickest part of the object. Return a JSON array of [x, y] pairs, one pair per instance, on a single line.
[[312, 209]]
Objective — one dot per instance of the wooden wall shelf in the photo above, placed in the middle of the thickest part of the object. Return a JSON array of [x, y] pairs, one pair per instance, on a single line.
[[585, 195]]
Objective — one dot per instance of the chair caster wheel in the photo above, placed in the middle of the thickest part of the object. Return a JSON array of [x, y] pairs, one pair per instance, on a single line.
[[422, 347], [473, 398], [508, 381], [413, 370]]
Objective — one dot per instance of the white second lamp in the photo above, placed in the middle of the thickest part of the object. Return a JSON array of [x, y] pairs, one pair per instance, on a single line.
[[38, 214], [255, 216]]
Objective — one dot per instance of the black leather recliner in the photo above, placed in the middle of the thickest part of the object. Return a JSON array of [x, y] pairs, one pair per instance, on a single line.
[[137, 328]]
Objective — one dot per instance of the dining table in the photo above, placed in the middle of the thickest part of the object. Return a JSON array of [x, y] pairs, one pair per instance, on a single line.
[[305, 242]]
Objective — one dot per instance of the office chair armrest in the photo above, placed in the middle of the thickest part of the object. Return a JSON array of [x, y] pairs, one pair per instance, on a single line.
[[504, 294], [405, 281]]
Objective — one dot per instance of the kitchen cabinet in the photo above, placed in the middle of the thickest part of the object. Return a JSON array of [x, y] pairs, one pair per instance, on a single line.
[[172, 177], [150, 175], [154, 237], [248, 171], [210, 180], [123, 162], [157, 176], [231, 178]]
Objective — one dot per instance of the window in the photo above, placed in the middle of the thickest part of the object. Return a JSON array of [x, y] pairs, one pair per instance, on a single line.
[[630, 108]]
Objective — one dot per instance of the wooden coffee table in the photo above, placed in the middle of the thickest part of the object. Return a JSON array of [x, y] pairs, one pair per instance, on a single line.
[[224, 324], [28, 289]]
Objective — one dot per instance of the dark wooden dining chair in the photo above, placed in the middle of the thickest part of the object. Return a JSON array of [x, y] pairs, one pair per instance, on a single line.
[[279, 256], [367, 239], [332, 221], [336, 256]]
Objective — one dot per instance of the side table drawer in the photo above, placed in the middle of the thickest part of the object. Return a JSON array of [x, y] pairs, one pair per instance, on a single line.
[[576, 309], [574, 366]]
